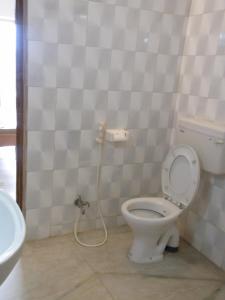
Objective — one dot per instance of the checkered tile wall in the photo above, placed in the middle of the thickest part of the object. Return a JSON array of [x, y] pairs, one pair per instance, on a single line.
[[201, 93], [119, 61], [89, 61]]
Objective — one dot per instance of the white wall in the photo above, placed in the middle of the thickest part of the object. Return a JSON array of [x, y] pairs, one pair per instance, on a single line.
[[91, 61], [201, 92]]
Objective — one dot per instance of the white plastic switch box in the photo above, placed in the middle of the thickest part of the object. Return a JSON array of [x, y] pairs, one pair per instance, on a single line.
[[116, 135]]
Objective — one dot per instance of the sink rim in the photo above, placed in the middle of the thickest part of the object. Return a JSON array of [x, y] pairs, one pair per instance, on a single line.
[[19, 224]]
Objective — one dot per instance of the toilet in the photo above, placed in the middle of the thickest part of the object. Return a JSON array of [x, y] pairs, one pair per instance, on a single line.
[[153, 220]]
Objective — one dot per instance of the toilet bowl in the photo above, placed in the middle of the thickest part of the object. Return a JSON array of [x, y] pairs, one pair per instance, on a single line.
[[153, 220]]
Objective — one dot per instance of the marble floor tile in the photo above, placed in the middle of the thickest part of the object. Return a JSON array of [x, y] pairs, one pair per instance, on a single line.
[[47, 270], [112, 257], [59, 269], [220, 294], [135, 286], [91, 289]]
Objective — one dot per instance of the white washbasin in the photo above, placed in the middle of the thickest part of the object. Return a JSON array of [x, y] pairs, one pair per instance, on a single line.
[[12, 234]]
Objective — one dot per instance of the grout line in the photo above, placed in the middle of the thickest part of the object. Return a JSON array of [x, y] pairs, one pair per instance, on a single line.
[[100, 279], [180, 93], [161, 276], [215, 294], [95, 273], [222, 10], [80, 284]]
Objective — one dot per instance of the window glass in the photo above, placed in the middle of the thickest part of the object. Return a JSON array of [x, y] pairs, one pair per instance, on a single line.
[[7, 9], [7, 74]]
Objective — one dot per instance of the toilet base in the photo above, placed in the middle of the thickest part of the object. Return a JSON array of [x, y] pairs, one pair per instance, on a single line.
[[150, 247], [171, 249], [145, 249]]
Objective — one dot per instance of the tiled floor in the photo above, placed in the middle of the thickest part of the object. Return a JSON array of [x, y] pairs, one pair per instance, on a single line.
[[8, 170], [59, 269]]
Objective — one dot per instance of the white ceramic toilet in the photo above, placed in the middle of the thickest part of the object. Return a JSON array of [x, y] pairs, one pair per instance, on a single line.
[[152, 220]]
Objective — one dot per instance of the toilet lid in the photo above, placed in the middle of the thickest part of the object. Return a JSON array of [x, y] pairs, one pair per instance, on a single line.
[[181, 175]]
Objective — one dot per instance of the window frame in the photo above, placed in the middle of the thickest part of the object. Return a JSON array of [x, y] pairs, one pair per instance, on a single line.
[[21, 101]]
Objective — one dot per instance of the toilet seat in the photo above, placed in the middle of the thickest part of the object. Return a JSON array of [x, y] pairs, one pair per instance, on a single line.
[[180, 182], [155, 209], [181, 175]]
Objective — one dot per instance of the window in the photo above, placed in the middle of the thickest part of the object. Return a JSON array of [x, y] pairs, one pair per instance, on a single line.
[[7, 66]]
